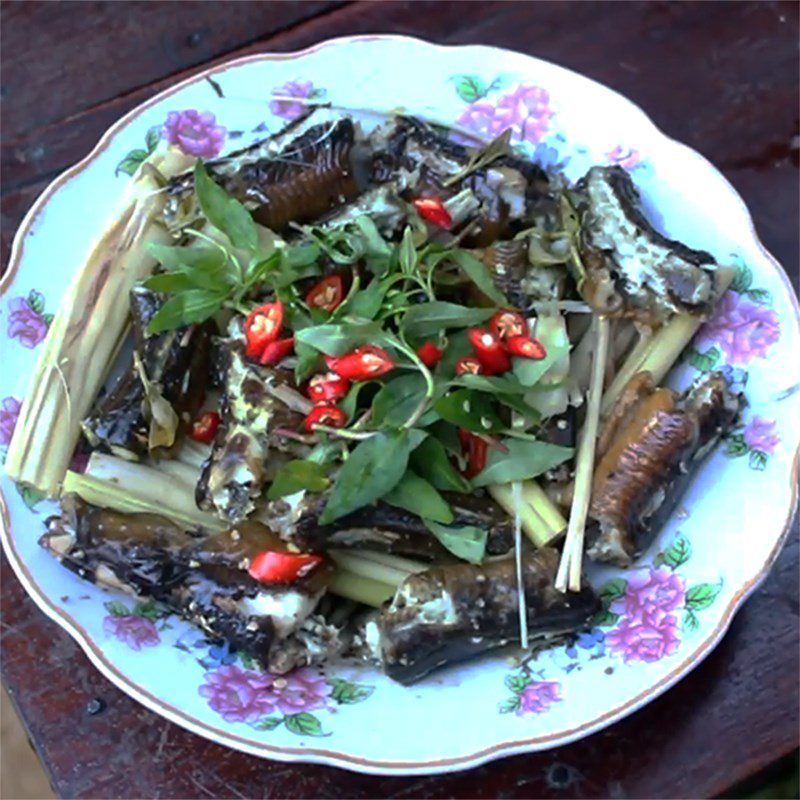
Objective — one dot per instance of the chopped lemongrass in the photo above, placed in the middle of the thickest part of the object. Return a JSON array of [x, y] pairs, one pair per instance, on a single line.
[[362, 590], [571, 559], [516, 496], [186, 473], [192, 453], [398, 562], [542, 522], [384, 573], [85, 335]]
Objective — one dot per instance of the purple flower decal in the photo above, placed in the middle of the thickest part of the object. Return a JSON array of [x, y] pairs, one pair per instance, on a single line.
[[650, 593], [744, 330], [760, 435], [625, 157], [239, 695], [289, 109], [195, 133], [25, 322], [526, 110], [9, 412], [649, 638], [301, 690], [137, 632], [538, 696]]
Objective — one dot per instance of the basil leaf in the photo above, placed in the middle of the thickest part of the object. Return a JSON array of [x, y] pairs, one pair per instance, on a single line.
[[468, 409], [375, 244], [552, 334], [408, 252], [427, 319], [336, 339], [398, 399], [296, 476], [468, 542], [480, 275], [180, 257], [169, 282], [430, 461], [520, 406], [524, 459], [224, 212], [194, 305], [367, 303], [373, 468], [416, 495], [490, 383], [349, 402], [458, 346]]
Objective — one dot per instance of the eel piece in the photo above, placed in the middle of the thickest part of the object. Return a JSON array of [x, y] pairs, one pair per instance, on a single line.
[[632, 270], [176, 361], [659, 438], [453, 612]]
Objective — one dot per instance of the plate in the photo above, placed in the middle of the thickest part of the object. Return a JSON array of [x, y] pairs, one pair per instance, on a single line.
[[659, 618]]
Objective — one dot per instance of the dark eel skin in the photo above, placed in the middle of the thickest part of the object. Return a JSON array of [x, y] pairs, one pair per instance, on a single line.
[[453, 612], [178, 361]]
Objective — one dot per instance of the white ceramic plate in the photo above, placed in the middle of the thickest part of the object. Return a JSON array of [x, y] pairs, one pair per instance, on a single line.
[[661, 618]]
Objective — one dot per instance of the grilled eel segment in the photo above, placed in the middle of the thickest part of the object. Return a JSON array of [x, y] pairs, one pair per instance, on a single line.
[[177, 361], [201, 578], [649, 448], [453, 612]]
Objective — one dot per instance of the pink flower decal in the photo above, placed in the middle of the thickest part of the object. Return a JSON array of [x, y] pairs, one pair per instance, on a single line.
[[648, 639], [239, 695], [287, 108], [9, 412], [301, 690], [760, 435], [26, 323], [625, 157], [744, 330], [650, 593], [137, 632], [526, 110], [195, 133], [538, 696]]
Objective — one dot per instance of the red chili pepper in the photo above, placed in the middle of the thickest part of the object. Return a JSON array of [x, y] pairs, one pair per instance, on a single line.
[[325, 414], [468, 365], [326, 294], [204, 428], [327, 388], [273, 566], [506, 323], [429, 354], [434, 210], [263, 325], [489, 351], [474, 448], [526, 347], [276, 351], [362, 364]]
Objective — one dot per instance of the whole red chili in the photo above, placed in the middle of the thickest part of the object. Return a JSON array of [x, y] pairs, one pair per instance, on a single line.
[[526, 347], [263, 325], [429, 354], [434, 210], [276, 351], [274, 566], [326, 294], [362, 364], [489, 350], [506, 323], [205, 427], [327, 388], [325, 414], [468, 365], [474, 448]]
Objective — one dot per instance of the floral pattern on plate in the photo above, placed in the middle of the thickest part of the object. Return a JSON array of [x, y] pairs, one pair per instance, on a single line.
[[27, 322], [135, 627]]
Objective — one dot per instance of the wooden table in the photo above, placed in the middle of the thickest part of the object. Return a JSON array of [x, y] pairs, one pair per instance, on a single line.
[[720, 77]]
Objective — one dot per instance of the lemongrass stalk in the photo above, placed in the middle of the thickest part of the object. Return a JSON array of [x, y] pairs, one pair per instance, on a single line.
[[86, 333], [186, 473], [522, 609], [571, 559], [366, 568], [192, 453], [398, 562], [542, 522], [362, 590]]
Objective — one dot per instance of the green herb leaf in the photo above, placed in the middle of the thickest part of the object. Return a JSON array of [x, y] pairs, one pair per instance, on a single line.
[[426, 319], [398, 399], [170, 282], [468, 409], [524, 459], [430, 461], [407, 255], [296, 476], [416, 495], [467, 542], [194, 305], [224, 212], [495, 384], [373, 468], [336, 339], [552, 334], [367, 303], [479, 274]]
